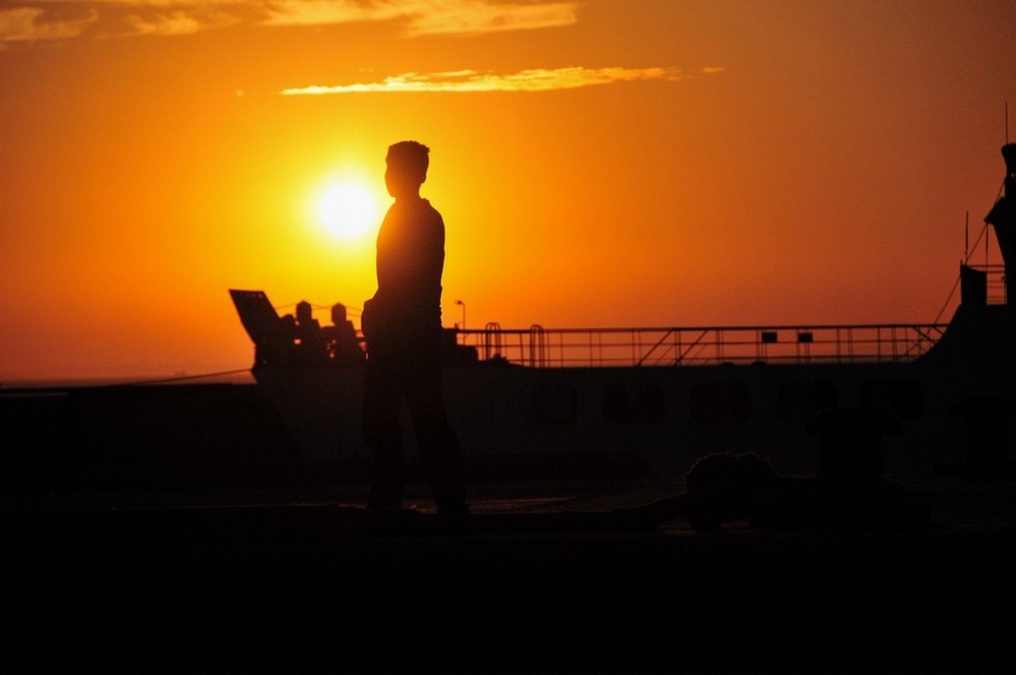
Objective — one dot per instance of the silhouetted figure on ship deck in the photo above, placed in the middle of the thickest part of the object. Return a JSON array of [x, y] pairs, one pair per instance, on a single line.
[[402, 327], [340, 339], [308, 343]]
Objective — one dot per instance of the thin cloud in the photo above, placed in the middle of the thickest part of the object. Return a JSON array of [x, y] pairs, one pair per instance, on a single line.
[[179, 22], [479, 16], [429, 17], [35, 21], [33, 24], [535, 79], [324, 12]]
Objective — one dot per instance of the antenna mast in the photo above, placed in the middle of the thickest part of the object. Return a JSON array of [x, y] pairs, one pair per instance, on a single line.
[[966, 238]]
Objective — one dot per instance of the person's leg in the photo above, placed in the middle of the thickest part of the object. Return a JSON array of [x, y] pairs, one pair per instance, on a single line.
[[436, 439], [382, 401]]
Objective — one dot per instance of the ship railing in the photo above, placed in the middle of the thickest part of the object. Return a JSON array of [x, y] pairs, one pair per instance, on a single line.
[[996, 284], [988, 284], [538, 347]]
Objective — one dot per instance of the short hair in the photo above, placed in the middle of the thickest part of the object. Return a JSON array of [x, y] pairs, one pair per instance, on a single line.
[[410, 155]]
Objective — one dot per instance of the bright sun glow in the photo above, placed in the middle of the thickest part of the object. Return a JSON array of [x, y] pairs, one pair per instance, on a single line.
[[347, 210]]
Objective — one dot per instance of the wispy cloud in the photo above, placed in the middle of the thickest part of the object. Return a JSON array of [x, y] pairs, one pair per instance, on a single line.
[[33, 24], [324, 12], [431, 17], [534, 79], [37, 20], [179, 22], [465, 17]]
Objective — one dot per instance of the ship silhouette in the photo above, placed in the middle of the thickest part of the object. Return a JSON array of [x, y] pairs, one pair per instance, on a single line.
[[926, 397]]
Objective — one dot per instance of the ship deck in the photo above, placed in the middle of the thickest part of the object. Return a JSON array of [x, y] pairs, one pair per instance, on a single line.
[[546, 576]]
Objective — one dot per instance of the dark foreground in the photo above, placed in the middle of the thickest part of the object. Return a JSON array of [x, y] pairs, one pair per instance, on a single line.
[[545, 577]]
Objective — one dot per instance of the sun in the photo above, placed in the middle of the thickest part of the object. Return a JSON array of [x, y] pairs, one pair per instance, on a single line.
[[347, 210]]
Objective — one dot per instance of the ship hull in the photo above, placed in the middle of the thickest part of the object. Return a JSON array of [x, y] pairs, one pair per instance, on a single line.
[[671, 416]]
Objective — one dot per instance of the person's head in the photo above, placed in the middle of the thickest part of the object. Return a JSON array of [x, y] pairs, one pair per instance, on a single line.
[[304, 312], [338, 314], [407, 163]]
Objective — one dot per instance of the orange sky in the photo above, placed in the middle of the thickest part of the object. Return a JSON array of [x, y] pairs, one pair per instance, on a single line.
[[607, 162]]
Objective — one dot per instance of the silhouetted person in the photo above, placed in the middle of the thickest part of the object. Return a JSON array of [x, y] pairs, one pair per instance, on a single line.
[[310, 343], [402, 326], [340, 339], [276, 345]]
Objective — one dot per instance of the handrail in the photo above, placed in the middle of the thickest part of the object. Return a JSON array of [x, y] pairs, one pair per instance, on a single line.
[[996, 286], [539, 347], [653, 348]]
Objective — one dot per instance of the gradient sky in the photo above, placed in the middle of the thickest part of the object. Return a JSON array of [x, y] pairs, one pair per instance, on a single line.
[[597, 162]]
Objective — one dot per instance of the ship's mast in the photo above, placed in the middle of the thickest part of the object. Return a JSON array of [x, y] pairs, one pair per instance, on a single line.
[[1003, 217]]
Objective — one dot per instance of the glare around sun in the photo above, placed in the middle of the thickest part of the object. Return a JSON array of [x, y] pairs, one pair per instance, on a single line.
[[347, 210]]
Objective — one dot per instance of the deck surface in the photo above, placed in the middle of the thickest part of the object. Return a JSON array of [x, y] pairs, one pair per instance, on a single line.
[[544, 577]]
